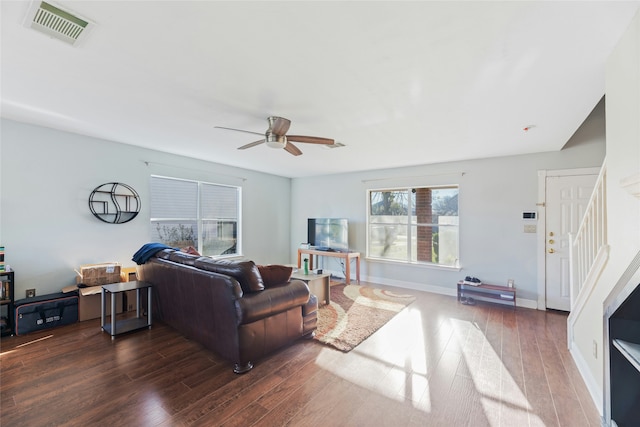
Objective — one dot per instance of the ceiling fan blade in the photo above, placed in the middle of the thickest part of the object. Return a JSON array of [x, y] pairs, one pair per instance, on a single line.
[[252, 144], [310, 139], [238, 130], [279, 125], [292, 149]]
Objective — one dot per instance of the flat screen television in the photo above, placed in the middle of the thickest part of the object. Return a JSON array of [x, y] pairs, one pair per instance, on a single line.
[[328, 234]]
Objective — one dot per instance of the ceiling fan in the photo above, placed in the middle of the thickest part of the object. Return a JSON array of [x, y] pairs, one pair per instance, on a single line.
[[276, 137]]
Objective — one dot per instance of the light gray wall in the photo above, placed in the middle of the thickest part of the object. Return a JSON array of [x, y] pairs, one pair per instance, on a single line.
[[48, 230], [46, 225], [493, 194]]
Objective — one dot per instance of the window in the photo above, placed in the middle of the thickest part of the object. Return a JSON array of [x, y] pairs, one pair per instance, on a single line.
[[417, 225], [193, 213]]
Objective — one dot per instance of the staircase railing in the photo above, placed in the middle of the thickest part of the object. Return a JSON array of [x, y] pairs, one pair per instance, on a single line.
[[589, 248]]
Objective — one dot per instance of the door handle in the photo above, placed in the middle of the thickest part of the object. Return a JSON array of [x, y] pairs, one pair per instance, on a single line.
[[551, 251]]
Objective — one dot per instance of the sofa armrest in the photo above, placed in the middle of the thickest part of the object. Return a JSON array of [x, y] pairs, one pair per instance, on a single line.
[[258, 305]]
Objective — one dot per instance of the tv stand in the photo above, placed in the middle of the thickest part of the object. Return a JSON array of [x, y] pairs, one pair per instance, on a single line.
[[347, 256]]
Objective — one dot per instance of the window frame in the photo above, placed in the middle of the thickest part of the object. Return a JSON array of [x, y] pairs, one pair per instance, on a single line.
[[410, 223], [200, 219]]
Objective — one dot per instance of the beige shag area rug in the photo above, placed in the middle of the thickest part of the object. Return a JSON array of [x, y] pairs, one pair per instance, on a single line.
[[356, 312]]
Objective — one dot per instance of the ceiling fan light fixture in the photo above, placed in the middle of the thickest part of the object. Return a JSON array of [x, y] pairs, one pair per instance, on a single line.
[[275, 141], [275, 137]]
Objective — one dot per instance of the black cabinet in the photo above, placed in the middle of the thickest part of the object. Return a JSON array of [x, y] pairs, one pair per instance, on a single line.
[[6, 303], [622, 358]]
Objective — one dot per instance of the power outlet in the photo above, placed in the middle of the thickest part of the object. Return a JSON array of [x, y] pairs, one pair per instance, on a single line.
[[530, 228], [30, 293], [595, 349]]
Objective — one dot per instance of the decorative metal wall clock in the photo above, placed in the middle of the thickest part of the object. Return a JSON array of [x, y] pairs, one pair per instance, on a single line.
[[114, 202]]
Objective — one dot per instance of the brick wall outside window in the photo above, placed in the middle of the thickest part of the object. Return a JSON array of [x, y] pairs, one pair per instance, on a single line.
[[424, 215]]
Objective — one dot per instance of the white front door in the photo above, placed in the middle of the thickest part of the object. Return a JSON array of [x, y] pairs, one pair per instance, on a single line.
[[566, 201]]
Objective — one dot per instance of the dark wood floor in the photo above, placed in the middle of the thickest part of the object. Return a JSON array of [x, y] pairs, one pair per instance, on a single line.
[[437, 363]]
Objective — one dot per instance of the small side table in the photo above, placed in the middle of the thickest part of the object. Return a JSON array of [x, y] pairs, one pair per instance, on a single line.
[[125, 325], [319, 285]]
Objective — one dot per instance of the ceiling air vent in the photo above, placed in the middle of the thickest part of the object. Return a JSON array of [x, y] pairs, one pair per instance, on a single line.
[[57, 23]]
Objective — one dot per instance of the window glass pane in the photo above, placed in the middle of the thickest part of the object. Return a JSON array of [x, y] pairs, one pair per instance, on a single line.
[[219, 238], [389, 203], [388, 241], [438, 245], [444, 203], [177, 234], [173, 198], [447, 244]]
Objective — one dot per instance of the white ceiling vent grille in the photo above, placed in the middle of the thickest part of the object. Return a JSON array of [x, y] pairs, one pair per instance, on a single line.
[[57, 23]]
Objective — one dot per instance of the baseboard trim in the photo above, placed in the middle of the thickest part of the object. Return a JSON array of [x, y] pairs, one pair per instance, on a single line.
[[520, 302], [594, 390]]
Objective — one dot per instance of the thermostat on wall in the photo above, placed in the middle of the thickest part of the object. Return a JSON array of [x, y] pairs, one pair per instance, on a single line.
[[529, 215]]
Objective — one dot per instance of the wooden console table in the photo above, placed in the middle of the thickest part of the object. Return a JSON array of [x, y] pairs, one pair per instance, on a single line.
[[347, 256], [488, 293]]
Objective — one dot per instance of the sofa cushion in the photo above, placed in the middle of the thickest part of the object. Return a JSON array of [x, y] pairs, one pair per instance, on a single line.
[[164, 254], [245, 272], [183, 258], [275, 274]]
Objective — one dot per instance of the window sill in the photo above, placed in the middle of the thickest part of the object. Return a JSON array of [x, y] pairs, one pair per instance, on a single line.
[[426, 265]]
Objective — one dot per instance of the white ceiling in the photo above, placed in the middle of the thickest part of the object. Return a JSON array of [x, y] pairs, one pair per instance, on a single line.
[[399, 83]]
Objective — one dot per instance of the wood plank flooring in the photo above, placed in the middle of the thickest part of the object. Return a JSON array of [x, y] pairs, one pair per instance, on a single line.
[[437, 363]]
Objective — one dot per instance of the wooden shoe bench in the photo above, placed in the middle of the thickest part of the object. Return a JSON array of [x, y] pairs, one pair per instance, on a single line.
[[488, 293]]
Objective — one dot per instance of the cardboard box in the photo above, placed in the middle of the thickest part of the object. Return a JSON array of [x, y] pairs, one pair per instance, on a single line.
[[128, 274], [99, 274], [89, 298]]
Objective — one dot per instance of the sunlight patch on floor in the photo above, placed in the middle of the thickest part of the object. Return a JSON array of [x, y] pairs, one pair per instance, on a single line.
[[399, 373], [411, 362], [3, 353], [152, 411], [501, 395]]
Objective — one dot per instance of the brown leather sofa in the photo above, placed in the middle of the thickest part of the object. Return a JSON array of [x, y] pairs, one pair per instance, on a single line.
[[227, 307]]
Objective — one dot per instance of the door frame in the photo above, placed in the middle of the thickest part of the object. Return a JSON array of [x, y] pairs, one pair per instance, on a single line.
[[541, 231]]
